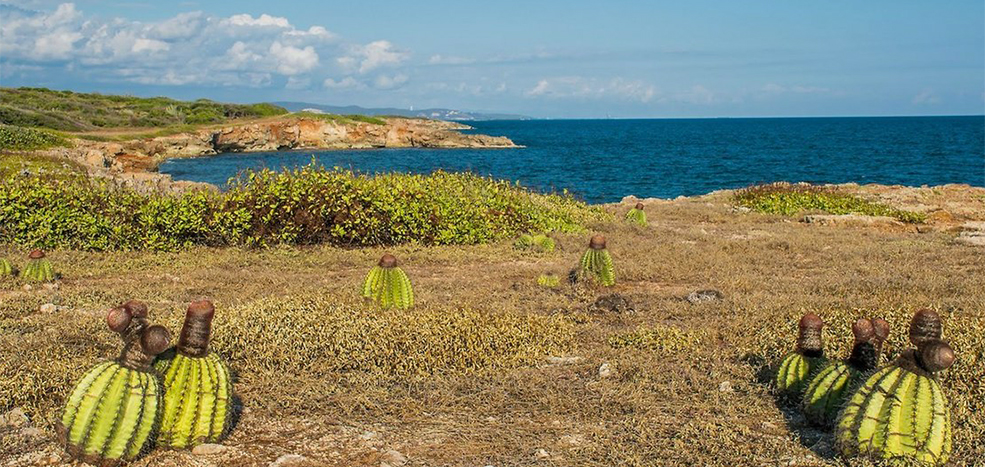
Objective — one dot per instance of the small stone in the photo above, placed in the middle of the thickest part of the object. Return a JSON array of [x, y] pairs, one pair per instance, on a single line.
[[48, 308], [394, 458], [704, 296], [542, 454], [208, 449], [606, 371], [27, 287], [289, 460], [32, 432], [50, 285], [14, 418], [725, 386]]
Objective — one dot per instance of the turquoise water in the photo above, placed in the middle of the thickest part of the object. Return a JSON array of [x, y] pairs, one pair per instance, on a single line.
[[604, 160]]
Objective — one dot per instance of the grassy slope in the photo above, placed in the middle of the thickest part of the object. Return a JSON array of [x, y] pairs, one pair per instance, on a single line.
[[71, 111], [664, 407]]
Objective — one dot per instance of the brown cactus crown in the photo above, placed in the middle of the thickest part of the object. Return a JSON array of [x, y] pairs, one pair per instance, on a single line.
[[597, 242], [935, 355], [863, 330], [36, 254], [639, 206], [925, 325], [196, 332], [881, 329], [119, 318], [809, 335], [388, 261]]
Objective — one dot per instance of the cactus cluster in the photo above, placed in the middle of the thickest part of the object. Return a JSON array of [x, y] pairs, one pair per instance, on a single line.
[[637, 216], [798, 366], [388, 285], [110, 415], [38, 268], [6, 269], [596, 262], [828, 390], [540, 242], [182, 396], [198, 387], [901, 412]]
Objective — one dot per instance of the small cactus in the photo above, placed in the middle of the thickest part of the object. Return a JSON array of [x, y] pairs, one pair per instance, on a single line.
[[636, 215], [548, 280], [110, 415], [388, 285], [798, 366], [197, 385], [901, 412], [539, 241], [827, 392], [597, 263], [6, 269], [38, 268]]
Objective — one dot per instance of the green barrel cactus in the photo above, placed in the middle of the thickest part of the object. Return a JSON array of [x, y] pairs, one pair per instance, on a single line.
[[524, 241], [6, 269], [828, 390], [597, 263], [539, 241], [901, 412], [637, 216], [110, 415], [197, 385], [38, 268], [388, 285], [798, 366]]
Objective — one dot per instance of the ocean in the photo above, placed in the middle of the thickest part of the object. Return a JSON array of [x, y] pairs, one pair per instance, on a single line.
[[604, 160]]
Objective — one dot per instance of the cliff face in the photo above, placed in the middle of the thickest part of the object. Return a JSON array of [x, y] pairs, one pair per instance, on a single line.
[[143, 155]]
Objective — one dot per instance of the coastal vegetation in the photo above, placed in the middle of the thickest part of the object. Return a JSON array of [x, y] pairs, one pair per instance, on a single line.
[[15, 138], [307, 205], [76, 112], [342, 119], [789, 199]]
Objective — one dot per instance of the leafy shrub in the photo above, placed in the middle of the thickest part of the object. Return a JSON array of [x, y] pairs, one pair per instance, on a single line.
[[786, 199], [17, 138], [308, 205]]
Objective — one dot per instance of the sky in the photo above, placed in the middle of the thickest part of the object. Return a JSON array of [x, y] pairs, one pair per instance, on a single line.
[[549, 59]]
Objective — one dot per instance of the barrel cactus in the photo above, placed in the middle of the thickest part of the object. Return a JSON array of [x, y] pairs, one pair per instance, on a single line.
[[38, 268], [539, 241], [110, 415], [597, 263], [636, 215], [798, 366], [197, 385], [901, 412], [388, 285], [828, 390], [548, 280], [6, 269]]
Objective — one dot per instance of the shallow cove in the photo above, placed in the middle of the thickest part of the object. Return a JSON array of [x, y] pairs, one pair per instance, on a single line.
[[604, 160]]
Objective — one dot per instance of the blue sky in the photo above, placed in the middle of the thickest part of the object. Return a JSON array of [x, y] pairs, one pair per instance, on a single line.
[[565, 59]]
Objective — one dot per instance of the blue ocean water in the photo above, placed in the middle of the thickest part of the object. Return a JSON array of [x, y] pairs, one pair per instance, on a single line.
[[604, 160]]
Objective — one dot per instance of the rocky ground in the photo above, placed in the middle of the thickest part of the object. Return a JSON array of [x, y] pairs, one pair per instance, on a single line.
[[718, 289]]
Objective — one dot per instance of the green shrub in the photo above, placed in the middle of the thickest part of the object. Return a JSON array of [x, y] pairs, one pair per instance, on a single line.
[[15, 138], [342, 119], [308, 205], [786, 199]]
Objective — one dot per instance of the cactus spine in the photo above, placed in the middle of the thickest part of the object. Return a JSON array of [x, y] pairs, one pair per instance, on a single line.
[[109, 417], [388, 285], [830, 388], [197, 385], [636, 215], [901, 412], [597, 263], [6, 269], [38, 268], [797, 367]]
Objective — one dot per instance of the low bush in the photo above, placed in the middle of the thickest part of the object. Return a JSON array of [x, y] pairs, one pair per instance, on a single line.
[[787, 199], [343, 118], [15, 138], [308, 205]]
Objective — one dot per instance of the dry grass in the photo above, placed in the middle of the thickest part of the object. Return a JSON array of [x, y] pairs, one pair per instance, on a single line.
[[464, 379]]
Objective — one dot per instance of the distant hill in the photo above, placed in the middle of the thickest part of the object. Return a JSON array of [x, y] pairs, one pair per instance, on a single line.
[[74, 111], [437, 114]]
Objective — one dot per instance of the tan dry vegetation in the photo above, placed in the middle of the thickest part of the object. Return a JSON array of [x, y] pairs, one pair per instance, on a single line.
[[322, 376]]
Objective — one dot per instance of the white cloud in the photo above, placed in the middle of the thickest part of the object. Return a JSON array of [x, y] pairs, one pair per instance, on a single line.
[[449, 60], [292, 60], [191, 48], [590, 88], [926, 97], [344, 83]]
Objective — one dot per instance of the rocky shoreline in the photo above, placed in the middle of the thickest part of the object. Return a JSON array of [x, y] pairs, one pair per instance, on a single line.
[[135, 161]]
